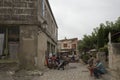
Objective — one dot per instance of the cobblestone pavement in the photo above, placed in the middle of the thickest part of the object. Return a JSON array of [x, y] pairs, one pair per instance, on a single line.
[[74, 71]]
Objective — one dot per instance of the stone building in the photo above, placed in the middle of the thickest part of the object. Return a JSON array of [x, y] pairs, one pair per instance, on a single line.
[[68, 46], [114, 58], [28, 31]]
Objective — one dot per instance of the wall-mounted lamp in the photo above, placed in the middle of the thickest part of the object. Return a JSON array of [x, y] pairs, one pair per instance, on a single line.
[[44, 25], [39, 30]]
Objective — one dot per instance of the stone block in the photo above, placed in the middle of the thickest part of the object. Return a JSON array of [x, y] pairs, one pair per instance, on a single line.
[[18, 11], [114, 60]]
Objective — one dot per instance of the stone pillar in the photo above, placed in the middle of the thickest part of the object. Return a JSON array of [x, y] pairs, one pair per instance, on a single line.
[[42, 48], [114, 60], [28, 46]]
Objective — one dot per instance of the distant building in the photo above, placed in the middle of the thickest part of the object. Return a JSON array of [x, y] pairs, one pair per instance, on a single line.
[[28, 31], [68, 46]]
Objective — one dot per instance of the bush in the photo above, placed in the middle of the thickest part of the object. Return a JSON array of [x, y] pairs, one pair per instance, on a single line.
[[85, 58], [104, 49]]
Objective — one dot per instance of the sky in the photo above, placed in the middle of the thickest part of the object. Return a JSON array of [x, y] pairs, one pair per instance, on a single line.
[[76, 18]]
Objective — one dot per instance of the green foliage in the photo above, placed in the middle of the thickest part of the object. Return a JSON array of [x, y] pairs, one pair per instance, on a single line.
[[104, 49], [85, 57], [99, 36]]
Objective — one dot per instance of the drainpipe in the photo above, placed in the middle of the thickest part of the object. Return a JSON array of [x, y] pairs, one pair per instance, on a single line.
[[43, 8], [6, 43]]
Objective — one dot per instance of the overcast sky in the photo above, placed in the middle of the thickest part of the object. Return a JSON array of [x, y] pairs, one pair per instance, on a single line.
[[78, 17]]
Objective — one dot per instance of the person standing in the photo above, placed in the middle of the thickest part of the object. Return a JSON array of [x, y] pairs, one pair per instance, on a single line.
[[90, 65]]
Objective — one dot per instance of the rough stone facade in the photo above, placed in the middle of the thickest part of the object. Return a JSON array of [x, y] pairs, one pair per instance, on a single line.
[[37, 29], [18, 11], [114, 60], [28, 46], [48, 35]]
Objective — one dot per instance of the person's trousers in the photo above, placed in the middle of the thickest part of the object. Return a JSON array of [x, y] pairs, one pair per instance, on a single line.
[[97, 72], [91, 72]]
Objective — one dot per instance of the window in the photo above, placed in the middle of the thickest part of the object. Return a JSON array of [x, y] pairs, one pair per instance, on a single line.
[[65, 45], [73, 46]]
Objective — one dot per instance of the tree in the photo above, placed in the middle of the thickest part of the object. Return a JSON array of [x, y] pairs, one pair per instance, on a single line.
[[100, 36]]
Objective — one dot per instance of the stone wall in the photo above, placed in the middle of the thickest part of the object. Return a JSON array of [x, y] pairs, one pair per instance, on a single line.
[[114, 60], [42, 48], [51, 23], [102, 57], [28, 46], [43, 39], [27, 14], [18, 11]]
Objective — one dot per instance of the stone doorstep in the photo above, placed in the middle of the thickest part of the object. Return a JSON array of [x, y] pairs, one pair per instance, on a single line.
[[23, 73], [11, 68], [5, 75], [20, 75]]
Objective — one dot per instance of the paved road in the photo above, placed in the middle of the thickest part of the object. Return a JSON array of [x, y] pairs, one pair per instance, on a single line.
[[74, 71]]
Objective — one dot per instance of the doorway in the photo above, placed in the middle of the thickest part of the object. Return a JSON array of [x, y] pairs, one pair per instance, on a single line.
[[9, 42]]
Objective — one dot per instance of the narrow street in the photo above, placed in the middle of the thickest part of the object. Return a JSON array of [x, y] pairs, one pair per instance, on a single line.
[[74, 71]]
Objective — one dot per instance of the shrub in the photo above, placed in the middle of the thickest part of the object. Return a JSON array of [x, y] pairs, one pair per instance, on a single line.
[[85, 58]]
